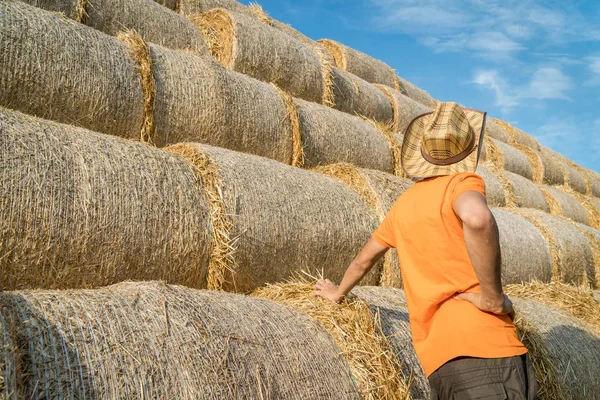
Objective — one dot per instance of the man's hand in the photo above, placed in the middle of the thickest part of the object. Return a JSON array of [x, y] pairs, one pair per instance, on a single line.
[[497, 306], [329, 290]]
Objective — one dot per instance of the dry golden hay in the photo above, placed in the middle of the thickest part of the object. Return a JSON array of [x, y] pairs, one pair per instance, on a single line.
[[284, 219], [513, 160], [356, 96], [246, 45], [61, 87], [594, 178], [593, 237], [526, 254], [495, 193], [494, 131], [82, 209], [526, 193], [156, 341], [584, 174], [330, 136], [491, 153], [380, 191], [564, 204], [360, 64], [404, 108], [415, 93], [565, 351], [356, 332], [517, 136], [554, 173]]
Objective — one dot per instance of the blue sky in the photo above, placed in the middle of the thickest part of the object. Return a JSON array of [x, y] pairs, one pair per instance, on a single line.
[[535, 64]]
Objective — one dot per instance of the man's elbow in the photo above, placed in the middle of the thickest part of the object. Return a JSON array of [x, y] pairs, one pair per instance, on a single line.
[[479, 219]]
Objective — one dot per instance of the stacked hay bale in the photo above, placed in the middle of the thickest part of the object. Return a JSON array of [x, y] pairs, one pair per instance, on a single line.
[[415, 93], [153, 22], [151, 340], [404, 108]]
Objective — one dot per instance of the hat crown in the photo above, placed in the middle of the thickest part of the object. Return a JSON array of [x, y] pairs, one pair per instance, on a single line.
[[447, 132]]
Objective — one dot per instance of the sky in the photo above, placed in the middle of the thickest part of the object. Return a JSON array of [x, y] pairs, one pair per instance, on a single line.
[[534, 64]]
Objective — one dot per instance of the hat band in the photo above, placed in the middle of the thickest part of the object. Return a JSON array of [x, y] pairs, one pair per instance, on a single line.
[[451, 160]]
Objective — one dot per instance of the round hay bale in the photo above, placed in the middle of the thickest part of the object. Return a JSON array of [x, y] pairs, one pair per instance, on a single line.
[[152, 340], [517, 136], [58, 69], [190, 7], [415, 93], [390, 305], [562, 203], [553, 171], [572, 177], [535, 161], [331, 136], [525, 252], [494, 190], [171, 4], [594, 182], [356, 96], [246, 45], [360, 64], [513, 160], [593, 237], [526, 193], [379, 191], [573, 259], [564, 349], [82, 209], [494, 131], [199, 100], [404, 108], [355, 330], [282, 219]]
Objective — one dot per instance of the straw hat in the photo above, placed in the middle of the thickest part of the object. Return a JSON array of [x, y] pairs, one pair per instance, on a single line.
[[443, 142]]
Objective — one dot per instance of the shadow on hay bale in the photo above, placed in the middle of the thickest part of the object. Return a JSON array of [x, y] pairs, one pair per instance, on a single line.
[[151, 340]]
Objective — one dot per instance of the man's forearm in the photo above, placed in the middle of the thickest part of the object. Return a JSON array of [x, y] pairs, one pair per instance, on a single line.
[[354, 273]]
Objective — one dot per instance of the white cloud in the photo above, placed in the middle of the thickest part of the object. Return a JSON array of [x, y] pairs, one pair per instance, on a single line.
[[548, 83], [491, 79]]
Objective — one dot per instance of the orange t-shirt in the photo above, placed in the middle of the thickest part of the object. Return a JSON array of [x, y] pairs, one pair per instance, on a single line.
[[435, 266]]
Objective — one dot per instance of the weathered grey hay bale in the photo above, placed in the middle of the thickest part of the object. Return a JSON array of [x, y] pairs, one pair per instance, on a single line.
[[404, 108], [415, 93], [495, 131], [189, 7], [574, 259], [246, 45], [199, 100], [390, 304], [526, 193], [562, 203], [81, 209], [152, 340], [513, 160], [172, 4], [564, 349], [356, 96], [152, 21], [331, 136], [283, 220], [70, 73], [493, 187], [360, 64], [526, 254]]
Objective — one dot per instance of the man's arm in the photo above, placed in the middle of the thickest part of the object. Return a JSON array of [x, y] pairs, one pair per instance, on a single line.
[[483, 244], [357, 269]]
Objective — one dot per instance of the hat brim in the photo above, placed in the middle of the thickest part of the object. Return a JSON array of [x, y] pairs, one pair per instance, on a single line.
[[416, 166]]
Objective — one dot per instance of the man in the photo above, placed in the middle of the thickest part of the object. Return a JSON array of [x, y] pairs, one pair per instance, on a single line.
[[448, 245]]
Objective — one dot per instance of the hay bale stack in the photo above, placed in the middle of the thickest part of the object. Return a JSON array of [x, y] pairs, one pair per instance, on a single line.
[[152, 340], [390, 305], [404, 108], [594, 182], [553, 172], [508, 158], [379, 191], [593, 236], [517, 136], [81, 209], [172, 4], [246, 45], [190, 7], [565, 351], [572, 254], [572, 177], [493, 187], [279, 220], [526, 255], [562, 203], [360, 64], [330, 136], [415, 93], [152, 21], [355, 330], [58, 69], [494, 131], [356, 96], [526, 193]]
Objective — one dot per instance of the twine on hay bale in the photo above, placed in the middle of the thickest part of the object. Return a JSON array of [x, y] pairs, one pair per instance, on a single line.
[[356, 96], [356, 331], [526, 253], [404, 108], [86, 79], [246, 45], [415, 93], [294, 220], [82, 209], [379, 191], [517, 136], [329, 136], [494, 191], [360, 64], [152, 340], [565, 351], [495, 131], [562, 203]]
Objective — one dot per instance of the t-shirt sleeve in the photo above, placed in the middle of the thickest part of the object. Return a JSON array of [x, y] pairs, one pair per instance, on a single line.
[[384, 234], [467, 182]]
